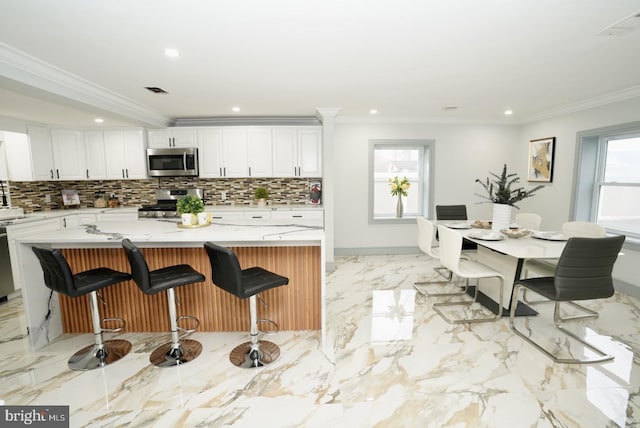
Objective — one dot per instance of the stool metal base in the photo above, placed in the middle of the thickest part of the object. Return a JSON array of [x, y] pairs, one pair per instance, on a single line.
[[91, 357], [168, 356], [248, 355]]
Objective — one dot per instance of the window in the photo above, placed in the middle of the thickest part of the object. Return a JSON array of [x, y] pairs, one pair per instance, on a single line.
[[401, 158], [608, 181]]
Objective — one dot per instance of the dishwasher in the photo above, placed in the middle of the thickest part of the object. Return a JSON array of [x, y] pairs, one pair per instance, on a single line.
[[6, 278]]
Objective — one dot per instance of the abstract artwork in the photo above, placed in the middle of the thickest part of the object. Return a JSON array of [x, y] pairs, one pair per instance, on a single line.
[[541, 157]]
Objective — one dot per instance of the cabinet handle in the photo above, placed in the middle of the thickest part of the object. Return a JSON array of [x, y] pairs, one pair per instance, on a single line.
[[221, 172], [296, 216], [87, 173], [249, 171], [127, 170], [256, 216], [64, 223], [123, 173], [58, 174], [225, 171], [51, 173]]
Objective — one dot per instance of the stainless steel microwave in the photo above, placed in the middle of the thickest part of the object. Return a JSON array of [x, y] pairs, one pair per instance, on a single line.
[[172, 162]]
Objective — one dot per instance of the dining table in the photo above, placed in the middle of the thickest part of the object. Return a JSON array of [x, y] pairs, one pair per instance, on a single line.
[[507, 255]]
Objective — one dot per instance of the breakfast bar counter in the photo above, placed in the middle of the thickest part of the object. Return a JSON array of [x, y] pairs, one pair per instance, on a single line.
[[295, 251]]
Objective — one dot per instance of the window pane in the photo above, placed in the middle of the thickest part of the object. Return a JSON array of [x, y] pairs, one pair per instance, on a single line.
[[623, 158], [390, 162], [619, 208]]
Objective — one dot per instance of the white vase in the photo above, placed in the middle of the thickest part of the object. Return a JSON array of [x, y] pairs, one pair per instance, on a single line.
[[188, 219], [204, 218], [501, 217]]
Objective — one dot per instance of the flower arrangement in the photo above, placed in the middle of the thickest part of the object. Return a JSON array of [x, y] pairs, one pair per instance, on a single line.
[[399, 187], [499, 189]]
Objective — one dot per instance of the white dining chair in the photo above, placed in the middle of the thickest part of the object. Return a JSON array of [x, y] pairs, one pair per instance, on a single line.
[[547, 267], [529, 220], [450, 257], [426, 236]]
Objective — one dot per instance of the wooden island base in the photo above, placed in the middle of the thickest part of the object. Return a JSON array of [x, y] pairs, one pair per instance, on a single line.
[[296, 306]]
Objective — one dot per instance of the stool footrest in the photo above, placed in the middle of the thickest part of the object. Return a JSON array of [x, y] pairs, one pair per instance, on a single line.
[[113, 330], [264, 320], [188, 331]]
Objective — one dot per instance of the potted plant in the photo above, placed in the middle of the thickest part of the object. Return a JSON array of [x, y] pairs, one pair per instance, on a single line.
[[188, 207], [499, 192], [261, 194]]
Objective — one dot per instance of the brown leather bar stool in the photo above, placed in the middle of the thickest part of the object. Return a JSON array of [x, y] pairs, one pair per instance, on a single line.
[[58, 277], [243, 283], [179, 350]]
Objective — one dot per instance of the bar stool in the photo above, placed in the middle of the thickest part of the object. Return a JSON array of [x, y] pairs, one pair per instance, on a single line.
[[58, 277], [226, 274], [179, 350]]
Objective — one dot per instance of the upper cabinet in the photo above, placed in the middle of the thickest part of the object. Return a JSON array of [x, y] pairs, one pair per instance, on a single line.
[[235, 152], [297, 152], [41, 153], [125, 154], [95, 155], [172, 137], [68, 154]]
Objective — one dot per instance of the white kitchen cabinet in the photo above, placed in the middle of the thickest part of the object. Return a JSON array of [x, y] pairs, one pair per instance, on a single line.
[[125, 153], [209, 152], [297, 152], [41, 153], [96, 166], [75, 220], [256, 216], [68, 154], [224, 215], [235, 152], [172, 137], [18, 156], [305, 217], [260, 152]]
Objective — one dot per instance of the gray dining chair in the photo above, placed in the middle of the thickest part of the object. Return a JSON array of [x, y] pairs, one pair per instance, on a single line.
[[547, 267], [583, 273], [455, 212]]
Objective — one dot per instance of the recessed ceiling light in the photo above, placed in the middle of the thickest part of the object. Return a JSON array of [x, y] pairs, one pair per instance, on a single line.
[[171, 53], [235, 109], [98, 120], [508, 112], [373, 111]]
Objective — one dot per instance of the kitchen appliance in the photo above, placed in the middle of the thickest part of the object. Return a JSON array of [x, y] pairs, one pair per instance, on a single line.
[[166, 200], [172, 162]]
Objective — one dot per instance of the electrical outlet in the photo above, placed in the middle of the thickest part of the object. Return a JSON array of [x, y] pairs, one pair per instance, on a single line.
[[47, 198], [223, 196]]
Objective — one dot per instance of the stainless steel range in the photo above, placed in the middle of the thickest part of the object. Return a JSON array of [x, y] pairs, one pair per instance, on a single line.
[[166, 199]]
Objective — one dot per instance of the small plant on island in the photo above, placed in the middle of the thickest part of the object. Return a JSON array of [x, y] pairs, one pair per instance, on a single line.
[[189, 204], [261, 193], [499, 189]]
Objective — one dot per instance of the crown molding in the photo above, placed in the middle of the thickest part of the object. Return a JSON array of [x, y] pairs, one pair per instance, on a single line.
[[35, 73], [614, 97], [248, 121]]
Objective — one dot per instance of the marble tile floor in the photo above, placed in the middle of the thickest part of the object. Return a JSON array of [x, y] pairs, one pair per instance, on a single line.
[[394, 363]]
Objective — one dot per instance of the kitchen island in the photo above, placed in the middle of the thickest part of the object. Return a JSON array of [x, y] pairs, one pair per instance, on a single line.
[[295, 251]]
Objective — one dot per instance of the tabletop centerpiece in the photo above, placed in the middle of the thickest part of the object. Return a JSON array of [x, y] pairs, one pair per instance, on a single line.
[[503, 197], [189, 206], [261, 194], [399, 188]]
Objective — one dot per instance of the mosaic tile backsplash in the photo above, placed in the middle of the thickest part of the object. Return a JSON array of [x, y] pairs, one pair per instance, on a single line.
[[31, 195]]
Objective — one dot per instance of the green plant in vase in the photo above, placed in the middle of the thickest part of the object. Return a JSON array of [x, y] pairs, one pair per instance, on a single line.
[[261, 194], [188, 207]]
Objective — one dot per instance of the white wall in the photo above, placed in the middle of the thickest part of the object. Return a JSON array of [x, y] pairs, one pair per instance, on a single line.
[[462, 154], [554, 205]]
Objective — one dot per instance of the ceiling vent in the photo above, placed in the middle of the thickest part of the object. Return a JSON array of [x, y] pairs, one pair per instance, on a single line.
[[623, 27], [156, 90]]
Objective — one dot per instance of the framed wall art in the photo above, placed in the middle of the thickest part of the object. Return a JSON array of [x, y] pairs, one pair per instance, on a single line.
[[541, 157]]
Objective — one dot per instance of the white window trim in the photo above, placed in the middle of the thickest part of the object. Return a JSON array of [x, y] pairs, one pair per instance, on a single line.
[[426, 200]]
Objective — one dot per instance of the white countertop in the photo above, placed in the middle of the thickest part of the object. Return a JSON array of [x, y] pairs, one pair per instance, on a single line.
[[166, 233]]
